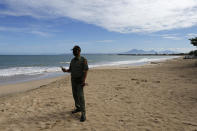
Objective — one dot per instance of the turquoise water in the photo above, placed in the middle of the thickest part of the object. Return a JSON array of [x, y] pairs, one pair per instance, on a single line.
[[14, 68]]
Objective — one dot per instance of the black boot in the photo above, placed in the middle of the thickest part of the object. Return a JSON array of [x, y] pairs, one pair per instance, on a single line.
[[76, 110], [83, 117]]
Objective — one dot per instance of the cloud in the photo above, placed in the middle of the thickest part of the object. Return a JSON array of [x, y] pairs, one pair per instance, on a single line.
[[171, 36], [24, 30], [45, 34], [191, 35], [13, 29], [178, 50], [105, 41], [182, 50], [168, 36], [124, 16]]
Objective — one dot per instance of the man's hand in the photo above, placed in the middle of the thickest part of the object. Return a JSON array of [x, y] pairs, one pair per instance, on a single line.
[[84, 79], [64, 70], [84, 84]]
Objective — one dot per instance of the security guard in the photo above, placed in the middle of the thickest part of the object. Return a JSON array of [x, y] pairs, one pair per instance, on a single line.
[[78, 68]]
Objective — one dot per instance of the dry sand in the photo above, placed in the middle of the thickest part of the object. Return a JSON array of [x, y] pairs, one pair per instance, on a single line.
[[156, 97]]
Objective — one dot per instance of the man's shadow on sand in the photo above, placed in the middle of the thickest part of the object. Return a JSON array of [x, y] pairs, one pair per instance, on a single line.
[[52, 117]]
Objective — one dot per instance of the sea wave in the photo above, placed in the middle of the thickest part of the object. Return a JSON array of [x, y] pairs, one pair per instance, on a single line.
[[130, 62], [27, 71], [14, 71], [64, 62]]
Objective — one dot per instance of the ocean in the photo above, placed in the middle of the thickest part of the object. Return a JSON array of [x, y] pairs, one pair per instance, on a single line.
[[20, 68]]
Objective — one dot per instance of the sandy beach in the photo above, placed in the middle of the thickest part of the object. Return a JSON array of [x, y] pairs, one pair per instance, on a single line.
[[161, 96]]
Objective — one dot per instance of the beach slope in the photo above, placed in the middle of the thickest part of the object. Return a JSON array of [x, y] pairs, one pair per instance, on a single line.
[[158, 96]]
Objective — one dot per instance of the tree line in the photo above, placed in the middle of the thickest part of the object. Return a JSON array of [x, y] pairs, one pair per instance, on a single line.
[[193, 41]]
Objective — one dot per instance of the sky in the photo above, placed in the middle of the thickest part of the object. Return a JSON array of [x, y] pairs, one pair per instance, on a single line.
[[97, 26]]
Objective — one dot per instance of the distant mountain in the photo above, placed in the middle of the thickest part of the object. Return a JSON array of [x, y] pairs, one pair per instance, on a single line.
[[136, 51]]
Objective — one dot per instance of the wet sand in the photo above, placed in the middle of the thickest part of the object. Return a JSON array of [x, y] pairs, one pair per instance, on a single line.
[[154, 97]]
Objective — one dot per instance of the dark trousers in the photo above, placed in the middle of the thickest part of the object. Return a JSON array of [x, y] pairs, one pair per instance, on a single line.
[[78, 95]]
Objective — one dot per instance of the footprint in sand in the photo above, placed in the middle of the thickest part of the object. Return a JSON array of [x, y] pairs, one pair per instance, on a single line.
[[133, 79], [138, 81], [182, 76], [156, 82], [119, 88], [143, 80]]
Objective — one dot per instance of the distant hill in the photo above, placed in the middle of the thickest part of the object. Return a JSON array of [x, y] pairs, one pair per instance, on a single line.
[[136, 51]]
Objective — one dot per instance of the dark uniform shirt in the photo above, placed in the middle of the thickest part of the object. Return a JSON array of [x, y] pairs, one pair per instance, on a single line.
[[77, 67]]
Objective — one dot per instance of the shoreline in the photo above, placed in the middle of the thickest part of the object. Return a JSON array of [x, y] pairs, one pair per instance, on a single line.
[[15, 88], [159, 96], [21, 79], [21, 86], [19, 74]]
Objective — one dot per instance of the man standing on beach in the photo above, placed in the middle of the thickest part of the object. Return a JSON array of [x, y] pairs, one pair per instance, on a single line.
[[78, 68]]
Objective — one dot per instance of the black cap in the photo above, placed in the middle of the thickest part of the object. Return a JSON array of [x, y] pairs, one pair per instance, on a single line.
[[76, 47]]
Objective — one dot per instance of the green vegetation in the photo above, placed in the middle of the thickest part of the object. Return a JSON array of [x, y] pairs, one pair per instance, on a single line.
[[193, 52], [193, 41]]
